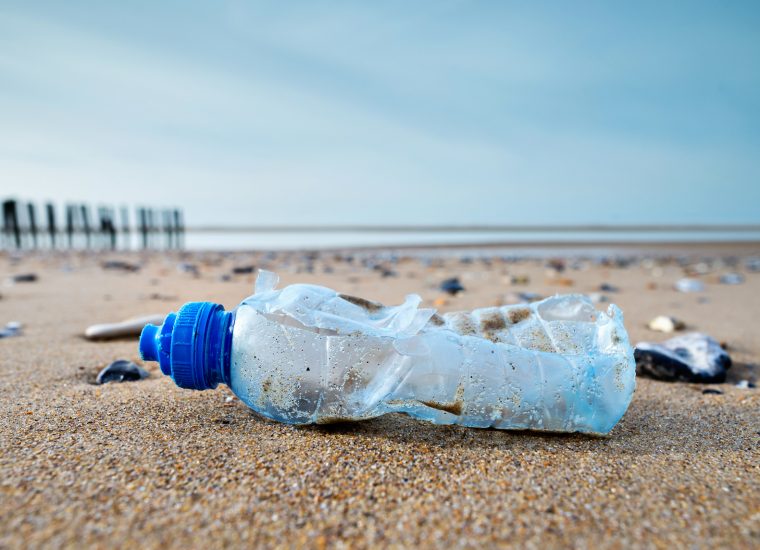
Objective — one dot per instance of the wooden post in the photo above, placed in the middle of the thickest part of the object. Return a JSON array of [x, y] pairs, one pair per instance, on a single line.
[[111, 227], [52, 229], [10, 222], [86, 227], [179, 229], [32, 214], [142, 215]]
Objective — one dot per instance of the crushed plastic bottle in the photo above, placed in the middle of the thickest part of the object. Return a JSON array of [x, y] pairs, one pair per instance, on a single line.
[[308, 354]]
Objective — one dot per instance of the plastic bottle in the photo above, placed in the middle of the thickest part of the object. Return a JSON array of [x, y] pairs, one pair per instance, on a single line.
[[307, 354]]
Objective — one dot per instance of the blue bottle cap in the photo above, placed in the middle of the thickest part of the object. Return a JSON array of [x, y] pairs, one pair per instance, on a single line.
[[193, 346]]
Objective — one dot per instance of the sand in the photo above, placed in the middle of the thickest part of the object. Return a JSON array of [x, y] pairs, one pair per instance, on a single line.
[[148, 464]]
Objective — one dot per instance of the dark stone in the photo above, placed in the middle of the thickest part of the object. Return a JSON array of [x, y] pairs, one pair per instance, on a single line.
[[243, 269], [689, 358], [556, 264], [25, 278], [710, 391], [606, 287], [452, 286], [121, 371], [120, 265]]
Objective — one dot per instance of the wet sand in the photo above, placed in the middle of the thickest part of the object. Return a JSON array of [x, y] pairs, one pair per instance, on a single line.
[[148, 464]]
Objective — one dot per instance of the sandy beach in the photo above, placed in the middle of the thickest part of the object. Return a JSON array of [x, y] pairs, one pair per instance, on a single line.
[[151, 465]]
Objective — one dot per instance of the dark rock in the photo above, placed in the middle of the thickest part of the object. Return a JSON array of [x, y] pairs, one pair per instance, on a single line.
[[25, 278], [243, 269], [120, 265], [692, 357], [710, 391], [452, 286], [606, 287], [557, 264], [121, 371]]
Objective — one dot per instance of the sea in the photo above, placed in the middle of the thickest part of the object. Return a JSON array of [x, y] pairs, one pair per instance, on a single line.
[[335, 239]]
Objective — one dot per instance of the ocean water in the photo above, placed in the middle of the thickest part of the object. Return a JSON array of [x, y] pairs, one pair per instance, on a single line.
[[331, 239]]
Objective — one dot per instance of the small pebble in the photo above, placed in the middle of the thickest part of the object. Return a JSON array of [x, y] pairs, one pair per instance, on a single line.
[[120, 265], [452, 286], [24, 278], [121, 371], [732, 279], [664, 323], [243, 269], [192, 269], [753, 264], [521, 297], [556, 264], [11, 329], [710, 391], [606, 287], [689, 285], [598, 298]]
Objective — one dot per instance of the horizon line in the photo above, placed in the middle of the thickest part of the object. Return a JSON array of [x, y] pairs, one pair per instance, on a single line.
[[472, 228]]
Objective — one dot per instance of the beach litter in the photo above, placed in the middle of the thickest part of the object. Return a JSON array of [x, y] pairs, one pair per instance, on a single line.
[[121, 370], [121, 329], [307, 354], [12, 328], [452, 286], [689, 285], [692, 357], [665, 323]]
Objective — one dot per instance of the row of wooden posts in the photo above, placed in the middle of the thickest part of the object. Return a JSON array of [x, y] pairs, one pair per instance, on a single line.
[[79, 229]]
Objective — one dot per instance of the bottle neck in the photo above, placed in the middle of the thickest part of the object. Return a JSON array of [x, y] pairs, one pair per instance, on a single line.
[[193, 346], [216, 349]]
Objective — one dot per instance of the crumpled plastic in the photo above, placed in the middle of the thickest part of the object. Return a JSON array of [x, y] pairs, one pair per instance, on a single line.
[[324, 309]]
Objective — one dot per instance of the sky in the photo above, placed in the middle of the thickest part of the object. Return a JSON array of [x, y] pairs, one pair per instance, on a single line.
[[426, 112]]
